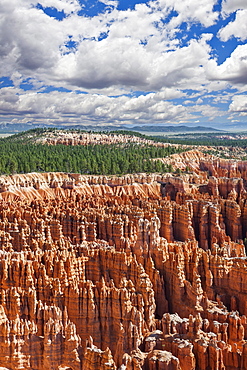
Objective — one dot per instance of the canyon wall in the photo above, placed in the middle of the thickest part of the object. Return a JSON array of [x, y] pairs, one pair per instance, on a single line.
[[134, 272]]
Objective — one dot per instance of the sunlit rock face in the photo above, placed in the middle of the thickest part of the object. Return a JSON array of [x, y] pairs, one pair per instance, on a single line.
[[134, 272]]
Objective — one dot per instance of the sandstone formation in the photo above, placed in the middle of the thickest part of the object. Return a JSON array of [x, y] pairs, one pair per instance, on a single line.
[[64, 137], [126, 273]]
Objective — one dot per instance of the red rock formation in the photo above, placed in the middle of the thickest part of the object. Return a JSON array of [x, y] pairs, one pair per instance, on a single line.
[[130, 273]]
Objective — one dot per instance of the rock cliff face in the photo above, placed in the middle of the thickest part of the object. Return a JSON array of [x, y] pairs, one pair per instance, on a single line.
[[72, 138], [139, 272]]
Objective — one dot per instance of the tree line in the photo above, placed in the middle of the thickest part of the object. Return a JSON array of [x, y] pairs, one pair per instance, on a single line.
[[19, 157]]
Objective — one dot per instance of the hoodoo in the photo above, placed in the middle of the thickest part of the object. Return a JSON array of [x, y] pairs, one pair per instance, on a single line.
[[134, 272]]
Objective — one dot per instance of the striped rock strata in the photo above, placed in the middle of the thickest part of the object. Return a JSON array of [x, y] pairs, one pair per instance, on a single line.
[[130, 273]]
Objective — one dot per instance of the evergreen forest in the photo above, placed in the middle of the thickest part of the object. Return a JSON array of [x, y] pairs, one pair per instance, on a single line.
[[18, 154]]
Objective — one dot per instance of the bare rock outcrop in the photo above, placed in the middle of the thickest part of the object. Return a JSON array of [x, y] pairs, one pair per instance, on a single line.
[[139, 272]]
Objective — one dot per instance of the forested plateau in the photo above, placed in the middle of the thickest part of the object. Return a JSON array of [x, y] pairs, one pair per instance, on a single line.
[[53, 150]]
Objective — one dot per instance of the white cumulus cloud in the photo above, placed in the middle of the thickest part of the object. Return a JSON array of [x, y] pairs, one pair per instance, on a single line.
[[188, 11], [116, 53], [239, 104], [85, 108], [131, 48], [233, 70], [229, 6], [236, 28]]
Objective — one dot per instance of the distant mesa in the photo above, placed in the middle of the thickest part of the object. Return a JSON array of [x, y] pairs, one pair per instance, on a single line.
[[174, 128], [15, 128]]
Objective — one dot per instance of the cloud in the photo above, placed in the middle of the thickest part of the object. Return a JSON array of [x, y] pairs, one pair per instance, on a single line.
[[150, 49], [84, 108], [230, 6], [239, 104], [68, 6], [26, 44], [233, 29], [123, 61], [233, 70], [201, 12], [207, 110], [110, 2], [132, 49], [87, 109]]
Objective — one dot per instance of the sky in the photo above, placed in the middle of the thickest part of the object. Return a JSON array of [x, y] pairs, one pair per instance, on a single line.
[[126, 62]]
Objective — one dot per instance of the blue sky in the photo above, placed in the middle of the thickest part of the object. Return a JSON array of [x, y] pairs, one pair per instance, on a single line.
[[124, 62]]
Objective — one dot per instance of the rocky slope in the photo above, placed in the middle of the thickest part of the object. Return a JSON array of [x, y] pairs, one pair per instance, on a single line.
[[71, 137], [136, 272]]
